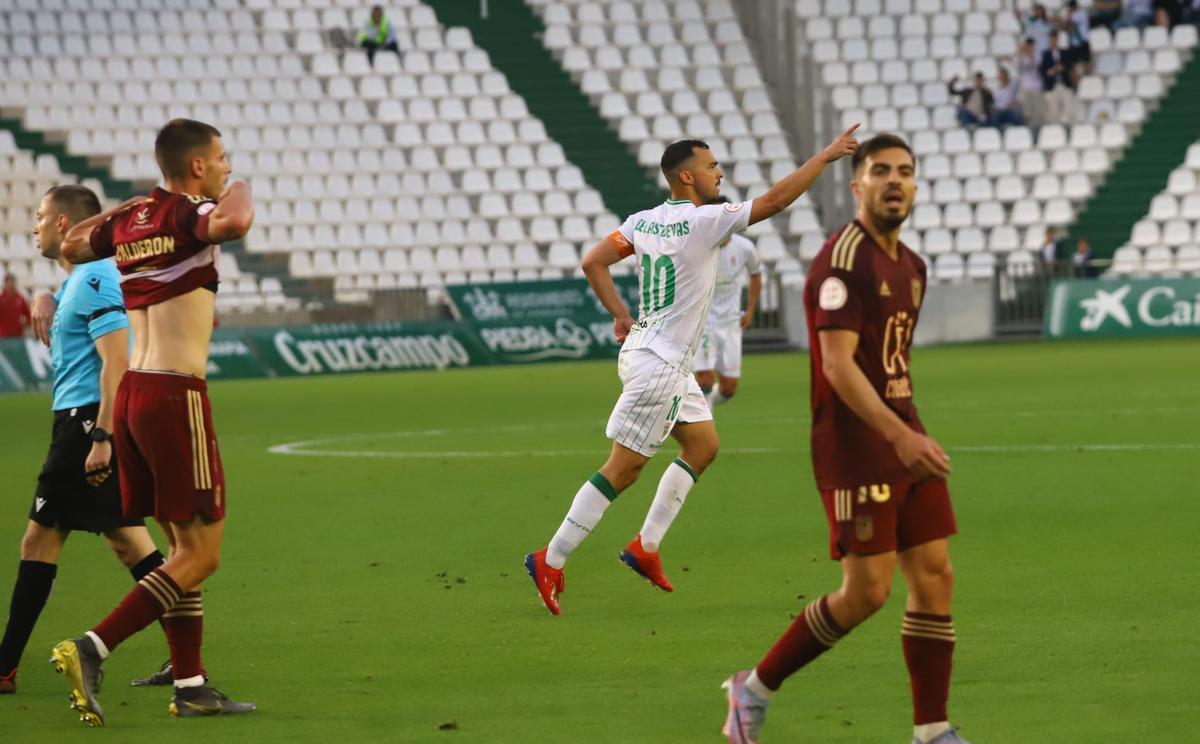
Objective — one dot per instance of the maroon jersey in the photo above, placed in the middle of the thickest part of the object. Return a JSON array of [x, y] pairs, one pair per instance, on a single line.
[[162, 247], [853, 285]]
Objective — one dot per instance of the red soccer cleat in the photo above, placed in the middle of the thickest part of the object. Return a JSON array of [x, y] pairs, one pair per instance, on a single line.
[[647, 565], [548, 580], [8, 683]]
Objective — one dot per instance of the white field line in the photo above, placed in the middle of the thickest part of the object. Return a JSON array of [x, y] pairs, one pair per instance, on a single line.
[[313, 447]]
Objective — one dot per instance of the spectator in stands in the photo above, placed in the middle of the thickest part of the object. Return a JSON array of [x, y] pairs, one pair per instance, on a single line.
[[1081, 260], [1050, 250], [1037, 26], [1029, 74], [975, 103], [1077, 24], [1136, 14], [1191, 13], [14, 309], [377, 34], [1006, 108], [1105, 13], [1058, 82], [1168, 13]]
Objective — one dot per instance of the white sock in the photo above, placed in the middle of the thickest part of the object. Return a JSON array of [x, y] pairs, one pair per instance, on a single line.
[[583, 516], [668, 500], [717, 397], [928, 731], [190, 681], [100, 647], [755, 685]]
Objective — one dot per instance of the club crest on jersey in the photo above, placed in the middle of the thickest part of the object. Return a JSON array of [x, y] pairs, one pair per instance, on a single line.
[[916, 292], [833, 294]]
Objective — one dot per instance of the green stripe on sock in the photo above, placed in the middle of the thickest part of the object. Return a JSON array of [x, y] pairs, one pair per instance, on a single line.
[[688, 468], [606, 488]]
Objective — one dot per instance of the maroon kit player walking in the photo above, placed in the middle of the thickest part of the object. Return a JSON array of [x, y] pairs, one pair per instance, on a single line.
[[881, 478], [166, 247]]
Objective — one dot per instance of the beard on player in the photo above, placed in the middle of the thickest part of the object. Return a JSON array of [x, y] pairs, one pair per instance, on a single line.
[[890, 207]]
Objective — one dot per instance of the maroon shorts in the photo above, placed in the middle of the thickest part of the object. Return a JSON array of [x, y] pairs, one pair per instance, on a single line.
[[887, 517], [166, 448]]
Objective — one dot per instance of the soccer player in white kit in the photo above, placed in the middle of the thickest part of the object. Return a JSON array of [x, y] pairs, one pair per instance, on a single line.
[[676, 247], [721, 348]]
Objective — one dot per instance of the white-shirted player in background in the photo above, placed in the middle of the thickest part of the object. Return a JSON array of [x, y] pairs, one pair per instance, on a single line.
[[676, 247], [721, 348]]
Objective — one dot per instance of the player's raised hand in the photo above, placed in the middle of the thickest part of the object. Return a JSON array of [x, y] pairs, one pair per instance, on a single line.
[[844, 145], [41, 316], [621, 327], [922, 455]]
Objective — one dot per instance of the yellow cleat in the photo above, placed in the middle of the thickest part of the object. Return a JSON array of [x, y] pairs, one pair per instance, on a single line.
[[79, 661]]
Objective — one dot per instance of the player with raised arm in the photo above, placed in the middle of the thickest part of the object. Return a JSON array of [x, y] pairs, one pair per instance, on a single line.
[[720, 352], [676, 247], [882, 478], [170, 467], [77, 489]]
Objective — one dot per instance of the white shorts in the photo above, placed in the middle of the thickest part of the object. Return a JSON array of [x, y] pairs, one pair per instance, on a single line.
[[721, 350], [655, 397]]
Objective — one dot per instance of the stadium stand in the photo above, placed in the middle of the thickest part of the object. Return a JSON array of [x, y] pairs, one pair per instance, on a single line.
[[659, 71], [413, 173], [426, 168], [1167, 241], [986, 192]]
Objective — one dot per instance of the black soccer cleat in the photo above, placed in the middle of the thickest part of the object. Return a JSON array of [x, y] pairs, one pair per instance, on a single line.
[[79, 660], [205, 701], [8, 683], [161, 678]]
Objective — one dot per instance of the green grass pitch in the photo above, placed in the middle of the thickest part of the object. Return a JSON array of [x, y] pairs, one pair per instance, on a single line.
[[376, 593]]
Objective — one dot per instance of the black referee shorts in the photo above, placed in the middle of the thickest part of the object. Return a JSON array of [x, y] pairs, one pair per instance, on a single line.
[[64, 500]]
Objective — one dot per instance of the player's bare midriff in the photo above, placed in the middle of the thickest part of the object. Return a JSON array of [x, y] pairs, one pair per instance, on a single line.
[[174, 335]]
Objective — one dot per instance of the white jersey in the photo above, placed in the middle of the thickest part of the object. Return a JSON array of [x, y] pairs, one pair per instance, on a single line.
[[737, 260], [676, 246]]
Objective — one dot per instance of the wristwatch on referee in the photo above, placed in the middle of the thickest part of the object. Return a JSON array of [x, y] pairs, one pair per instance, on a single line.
[[100, 435]]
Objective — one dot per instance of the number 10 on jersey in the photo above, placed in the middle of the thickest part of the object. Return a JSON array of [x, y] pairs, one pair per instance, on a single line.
[[658, 283]]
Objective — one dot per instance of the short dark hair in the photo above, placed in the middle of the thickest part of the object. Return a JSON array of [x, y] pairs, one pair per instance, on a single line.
[[75, 201], [678, 153], [879, 142], [177, 142]]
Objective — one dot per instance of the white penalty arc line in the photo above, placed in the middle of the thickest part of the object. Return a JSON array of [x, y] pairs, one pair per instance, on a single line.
[[301, 449]]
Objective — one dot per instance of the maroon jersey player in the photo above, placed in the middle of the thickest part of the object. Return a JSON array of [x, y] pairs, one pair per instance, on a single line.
[[165, 246], [881, 477]]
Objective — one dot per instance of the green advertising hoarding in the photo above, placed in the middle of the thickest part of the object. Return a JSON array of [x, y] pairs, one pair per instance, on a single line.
[[1118, 308], [510, 323], [523, 322], [317, 350], [24, 366]]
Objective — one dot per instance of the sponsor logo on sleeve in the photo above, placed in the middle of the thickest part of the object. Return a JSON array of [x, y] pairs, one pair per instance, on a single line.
[[205, 208], [833, 294], [733, 207]]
